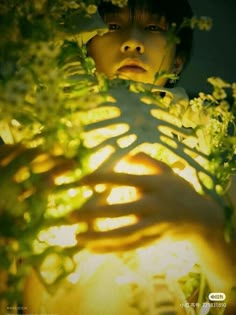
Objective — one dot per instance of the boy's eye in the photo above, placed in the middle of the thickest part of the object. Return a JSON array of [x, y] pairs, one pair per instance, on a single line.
[[154, 28], [113, 26]]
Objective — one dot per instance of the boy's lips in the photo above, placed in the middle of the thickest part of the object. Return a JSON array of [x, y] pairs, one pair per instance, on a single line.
[[132, 65]]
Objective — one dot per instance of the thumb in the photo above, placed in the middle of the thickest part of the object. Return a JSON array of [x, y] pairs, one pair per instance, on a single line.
[[155, 166]]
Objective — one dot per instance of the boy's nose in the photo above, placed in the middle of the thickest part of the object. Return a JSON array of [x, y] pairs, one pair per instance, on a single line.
[[133, 43], [132, 46]]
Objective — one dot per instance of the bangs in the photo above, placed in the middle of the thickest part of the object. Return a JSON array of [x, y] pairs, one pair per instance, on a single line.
[[136, 8], [173, 10]]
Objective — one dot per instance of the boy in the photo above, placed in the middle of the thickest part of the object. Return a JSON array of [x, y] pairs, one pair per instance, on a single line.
[[136, 47]]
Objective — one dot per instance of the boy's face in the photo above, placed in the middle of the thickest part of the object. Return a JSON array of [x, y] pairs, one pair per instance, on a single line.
[[135, 47]]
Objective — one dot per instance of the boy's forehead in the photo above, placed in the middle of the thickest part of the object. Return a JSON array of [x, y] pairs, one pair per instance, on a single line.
[[138, 14]]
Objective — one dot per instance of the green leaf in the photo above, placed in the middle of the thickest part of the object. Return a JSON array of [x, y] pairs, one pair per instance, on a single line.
[[84, 26]]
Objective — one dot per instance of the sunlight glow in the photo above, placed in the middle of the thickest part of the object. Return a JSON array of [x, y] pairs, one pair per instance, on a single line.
[[189, 174], [122, 194], [124, 166], [95, 137], [167, 256], [63, 236], [108, 224], [99, 157]]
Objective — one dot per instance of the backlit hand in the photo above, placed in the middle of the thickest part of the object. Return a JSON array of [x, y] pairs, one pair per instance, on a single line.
[[167, 205]]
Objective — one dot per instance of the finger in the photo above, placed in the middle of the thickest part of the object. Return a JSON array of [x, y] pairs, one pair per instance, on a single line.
[[87, 212], [155, 166], [9, 152], [16, 160], [143, 182], [143, 207], [6, 149], [53, 166], [126, 237], [150, 226], [39, 161], [43, 162], [125, 245], [46, 181]]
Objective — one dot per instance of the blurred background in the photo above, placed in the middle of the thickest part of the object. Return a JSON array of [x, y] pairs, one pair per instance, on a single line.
[[214, 52]]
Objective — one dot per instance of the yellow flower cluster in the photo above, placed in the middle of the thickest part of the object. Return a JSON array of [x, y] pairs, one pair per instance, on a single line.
[[218, 82], [119, 3], [219, 88], [203, 23], [72, 4], [234, 92], [39, 5], [91, 9]]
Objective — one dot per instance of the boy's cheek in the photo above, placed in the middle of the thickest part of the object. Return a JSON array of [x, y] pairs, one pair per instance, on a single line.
[[91, 48]]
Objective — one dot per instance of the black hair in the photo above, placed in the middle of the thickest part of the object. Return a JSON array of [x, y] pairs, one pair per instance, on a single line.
[[175, 11]]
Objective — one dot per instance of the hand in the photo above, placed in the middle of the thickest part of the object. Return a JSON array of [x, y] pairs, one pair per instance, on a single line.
[[167, 206], [27, 172], [166, 203]]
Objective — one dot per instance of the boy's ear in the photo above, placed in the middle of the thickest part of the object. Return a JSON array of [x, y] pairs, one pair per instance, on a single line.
[[178, 65]]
